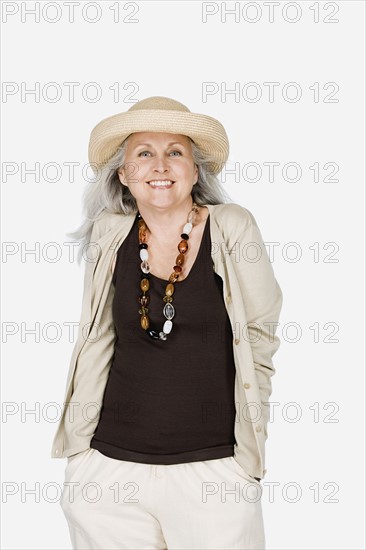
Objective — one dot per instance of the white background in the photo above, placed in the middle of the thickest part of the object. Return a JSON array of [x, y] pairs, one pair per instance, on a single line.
[[170, 51]]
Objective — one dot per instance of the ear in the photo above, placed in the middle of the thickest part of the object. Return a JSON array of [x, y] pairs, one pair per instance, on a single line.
[[195, 174], [122, 176]]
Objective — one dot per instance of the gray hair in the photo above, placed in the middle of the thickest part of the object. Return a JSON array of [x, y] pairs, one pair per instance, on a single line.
[[106, 193]]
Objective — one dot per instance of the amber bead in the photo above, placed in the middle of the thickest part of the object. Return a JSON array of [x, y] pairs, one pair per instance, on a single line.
[[173, 277], [169, 289], [177, 268], [144, 284], [180, 259], [142, 236], [183, 246], [145, 322]]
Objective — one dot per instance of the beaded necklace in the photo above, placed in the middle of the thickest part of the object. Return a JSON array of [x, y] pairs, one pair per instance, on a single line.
[[144, 298]]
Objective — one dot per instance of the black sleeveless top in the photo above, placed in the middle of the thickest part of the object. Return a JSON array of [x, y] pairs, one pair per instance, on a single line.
[[172, 401]]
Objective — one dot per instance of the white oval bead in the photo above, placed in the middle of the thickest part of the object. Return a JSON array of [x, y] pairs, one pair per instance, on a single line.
[[144, 255], [168, 325], [187, 228]]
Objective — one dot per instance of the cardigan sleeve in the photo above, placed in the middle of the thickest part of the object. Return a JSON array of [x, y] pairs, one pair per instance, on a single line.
[[262, 298], [90, 257], [95, 350]]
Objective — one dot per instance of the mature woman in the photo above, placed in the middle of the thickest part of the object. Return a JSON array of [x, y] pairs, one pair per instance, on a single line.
[[166, 403]]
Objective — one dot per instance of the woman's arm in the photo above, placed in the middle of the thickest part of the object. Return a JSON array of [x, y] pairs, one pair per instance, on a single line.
[[262, 298]]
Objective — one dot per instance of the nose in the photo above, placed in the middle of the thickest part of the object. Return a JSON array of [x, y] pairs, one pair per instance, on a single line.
[[161, 164]]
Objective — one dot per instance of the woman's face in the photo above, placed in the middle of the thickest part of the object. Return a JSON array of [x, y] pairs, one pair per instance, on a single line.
[[154, 158]]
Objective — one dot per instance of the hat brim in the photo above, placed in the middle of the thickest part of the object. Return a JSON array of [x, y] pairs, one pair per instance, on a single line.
[[207, 132]]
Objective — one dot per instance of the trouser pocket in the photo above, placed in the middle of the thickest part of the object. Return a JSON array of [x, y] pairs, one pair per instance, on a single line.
[[76, 465], [74, 457], [240, 471]]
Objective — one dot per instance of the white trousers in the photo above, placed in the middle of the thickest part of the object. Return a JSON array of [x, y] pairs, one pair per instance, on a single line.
[[115, 504]]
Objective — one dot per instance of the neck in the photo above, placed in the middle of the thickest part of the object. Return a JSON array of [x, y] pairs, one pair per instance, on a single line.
[[163, 224]]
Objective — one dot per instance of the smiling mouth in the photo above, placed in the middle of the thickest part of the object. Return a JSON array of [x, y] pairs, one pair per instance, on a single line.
[[160, 184]]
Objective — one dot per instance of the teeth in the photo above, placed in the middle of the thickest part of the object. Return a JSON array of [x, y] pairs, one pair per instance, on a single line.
[[160, 183]]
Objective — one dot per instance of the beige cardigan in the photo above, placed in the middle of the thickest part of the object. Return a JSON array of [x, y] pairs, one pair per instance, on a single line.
[[253, 300]]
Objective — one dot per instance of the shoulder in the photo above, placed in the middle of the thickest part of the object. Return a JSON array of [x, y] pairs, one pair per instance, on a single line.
[[106, 221], [232, 218]]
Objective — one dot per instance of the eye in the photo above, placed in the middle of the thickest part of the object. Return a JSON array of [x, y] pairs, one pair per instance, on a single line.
[[172, 152], [143, 153]]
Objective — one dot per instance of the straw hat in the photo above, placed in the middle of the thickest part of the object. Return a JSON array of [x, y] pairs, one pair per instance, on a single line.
[[158, 114]]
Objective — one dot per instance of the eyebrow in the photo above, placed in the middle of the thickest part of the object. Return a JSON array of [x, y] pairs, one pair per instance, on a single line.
[[149, 144]]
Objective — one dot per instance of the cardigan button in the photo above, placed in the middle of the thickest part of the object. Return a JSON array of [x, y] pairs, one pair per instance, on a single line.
[[236, 340], [258, 428], [246, 386]]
